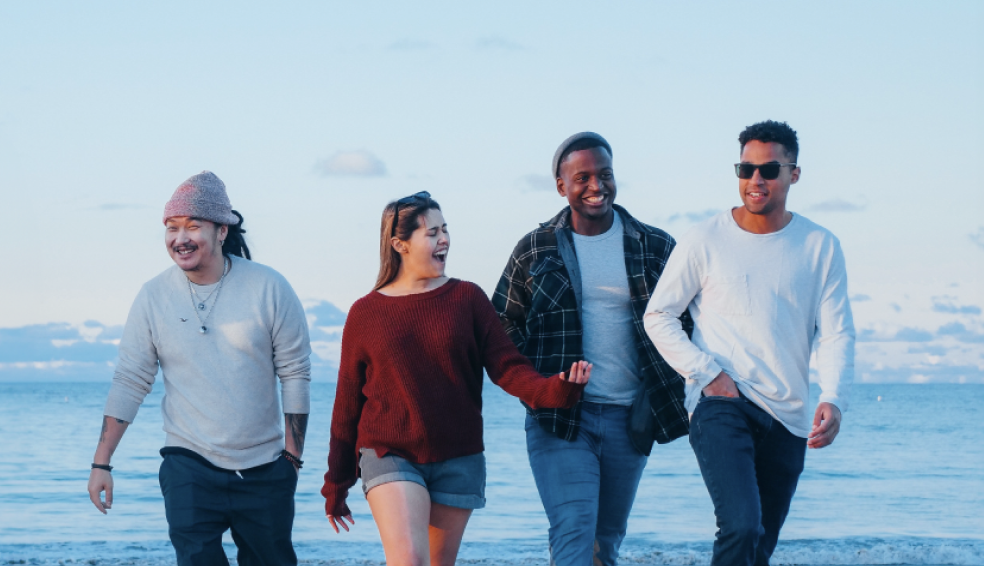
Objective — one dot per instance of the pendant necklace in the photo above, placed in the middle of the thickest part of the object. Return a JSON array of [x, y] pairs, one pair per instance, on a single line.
[[200, 305]]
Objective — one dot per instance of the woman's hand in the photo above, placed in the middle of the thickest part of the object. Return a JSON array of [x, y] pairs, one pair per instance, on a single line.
[[340, 521], [580, 372]]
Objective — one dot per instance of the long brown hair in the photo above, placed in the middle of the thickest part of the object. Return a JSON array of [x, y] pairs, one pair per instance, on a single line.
[[406, 225]]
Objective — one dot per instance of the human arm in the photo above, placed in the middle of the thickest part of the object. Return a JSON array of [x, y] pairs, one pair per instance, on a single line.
[[102, 480], [292, 362], [514, 373], [295, 427], [679, 283], [834, 351], [136, 370], [343, 457], [511, 299]]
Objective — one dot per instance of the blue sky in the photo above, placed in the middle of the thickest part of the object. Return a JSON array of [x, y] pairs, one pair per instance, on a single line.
[[316, 114]]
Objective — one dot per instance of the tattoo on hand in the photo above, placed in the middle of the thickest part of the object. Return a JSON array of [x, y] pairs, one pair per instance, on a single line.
[[298, 428], [105, 427]]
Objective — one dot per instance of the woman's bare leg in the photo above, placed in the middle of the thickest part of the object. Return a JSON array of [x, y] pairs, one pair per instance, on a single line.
[[447, 526], [402, 511]]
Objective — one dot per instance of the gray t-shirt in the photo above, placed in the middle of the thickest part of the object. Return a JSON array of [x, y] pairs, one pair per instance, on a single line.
[[606, 314]]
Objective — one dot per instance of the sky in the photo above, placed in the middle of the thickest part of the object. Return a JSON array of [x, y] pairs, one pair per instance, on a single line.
[[316, 114]]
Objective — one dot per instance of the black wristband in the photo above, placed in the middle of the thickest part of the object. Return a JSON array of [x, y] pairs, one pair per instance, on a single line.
[[292, 459], [106, 467]]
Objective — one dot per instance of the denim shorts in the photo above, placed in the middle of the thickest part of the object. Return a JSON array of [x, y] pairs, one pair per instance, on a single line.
[[458, 482]]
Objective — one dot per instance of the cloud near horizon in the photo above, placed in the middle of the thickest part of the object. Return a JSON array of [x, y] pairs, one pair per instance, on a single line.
[[836, 205], [536, 183], [407, 44], [497, 43], [59, 351], [356, 163], [947, 304], [693, 216], [978, 237]]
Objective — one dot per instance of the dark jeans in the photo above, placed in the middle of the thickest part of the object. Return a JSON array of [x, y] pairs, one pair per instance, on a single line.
[[751, 465], [202, 501], [587, 486]]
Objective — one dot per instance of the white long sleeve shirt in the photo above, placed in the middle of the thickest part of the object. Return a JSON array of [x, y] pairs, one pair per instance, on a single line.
[[760, 303]]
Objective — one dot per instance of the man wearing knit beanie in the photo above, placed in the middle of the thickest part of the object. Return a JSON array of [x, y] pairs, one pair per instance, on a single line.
[[223, 331], [576, 288]]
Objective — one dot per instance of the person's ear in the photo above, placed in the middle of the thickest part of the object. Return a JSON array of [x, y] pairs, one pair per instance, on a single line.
[[561, 190], [795, 176], [399, 245], [223, 232]]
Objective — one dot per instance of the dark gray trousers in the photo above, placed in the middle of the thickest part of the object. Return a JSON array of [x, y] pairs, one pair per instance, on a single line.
[[202, 501]]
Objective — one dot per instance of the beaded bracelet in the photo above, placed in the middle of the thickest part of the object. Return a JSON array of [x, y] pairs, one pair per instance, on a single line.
[[293, 459], [106, 467]]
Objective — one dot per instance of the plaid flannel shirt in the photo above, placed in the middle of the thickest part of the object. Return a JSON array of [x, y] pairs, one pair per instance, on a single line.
[[538, 300]]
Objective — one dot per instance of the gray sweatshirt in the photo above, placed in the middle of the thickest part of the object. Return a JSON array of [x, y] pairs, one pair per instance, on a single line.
[[220, 388]]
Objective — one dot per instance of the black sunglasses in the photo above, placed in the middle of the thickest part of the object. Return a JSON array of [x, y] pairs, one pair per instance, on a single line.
[[769, 171], [422, 195]]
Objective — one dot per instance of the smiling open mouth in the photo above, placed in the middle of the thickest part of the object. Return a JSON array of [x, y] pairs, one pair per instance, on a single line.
[[441, 256], [596, 200], [185, 250]]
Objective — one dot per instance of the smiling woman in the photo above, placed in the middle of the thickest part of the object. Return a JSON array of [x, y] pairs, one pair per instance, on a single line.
[[401, 219], [408, 408]]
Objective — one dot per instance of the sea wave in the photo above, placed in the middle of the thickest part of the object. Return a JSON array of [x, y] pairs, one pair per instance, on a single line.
[[908, 551]]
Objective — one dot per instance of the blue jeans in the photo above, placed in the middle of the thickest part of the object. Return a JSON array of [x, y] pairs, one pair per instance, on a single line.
[[751, 465], [587, 486]]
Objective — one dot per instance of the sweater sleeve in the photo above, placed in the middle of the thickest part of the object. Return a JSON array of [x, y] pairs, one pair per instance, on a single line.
[[677, 287], [137, 365], [292, 351], [513, 371], [343, 458], [835, 334]]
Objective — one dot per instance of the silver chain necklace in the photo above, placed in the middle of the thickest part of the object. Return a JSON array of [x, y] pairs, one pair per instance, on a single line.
[[200, 306]]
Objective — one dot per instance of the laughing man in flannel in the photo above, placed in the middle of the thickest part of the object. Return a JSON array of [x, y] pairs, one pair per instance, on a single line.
[[577, 287]]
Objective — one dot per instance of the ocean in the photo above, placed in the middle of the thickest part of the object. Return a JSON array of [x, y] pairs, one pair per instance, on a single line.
[[903, 484]]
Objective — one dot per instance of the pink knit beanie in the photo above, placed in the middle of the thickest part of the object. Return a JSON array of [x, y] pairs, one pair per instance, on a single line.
[[201, 196]]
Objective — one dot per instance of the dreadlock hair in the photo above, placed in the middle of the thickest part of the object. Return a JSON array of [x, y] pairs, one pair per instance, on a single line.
[[235, 242], [775, 132], [400, 226]]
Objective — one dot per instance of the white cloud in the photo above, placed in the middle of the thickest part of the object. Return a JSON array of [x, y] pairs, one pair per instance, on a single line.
[[359, 163], [110, 206], [947, 304], [978, 237], [693, 216], [836, 205], [407, 44], [533, 182], [496, 43]]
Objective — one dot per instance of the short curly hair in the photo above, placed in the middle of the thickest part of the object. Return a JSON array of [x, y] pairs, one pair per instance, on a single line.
[[772, 131]]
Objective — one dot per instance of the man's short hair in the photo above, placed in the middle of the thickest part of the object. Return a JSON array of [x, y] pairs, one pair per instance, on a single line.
[[774, 132]]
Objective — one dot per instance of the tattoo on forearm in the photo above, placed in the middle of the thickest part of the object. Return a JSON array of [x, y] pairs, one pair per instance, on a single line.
[[297, 424], [105, 427]]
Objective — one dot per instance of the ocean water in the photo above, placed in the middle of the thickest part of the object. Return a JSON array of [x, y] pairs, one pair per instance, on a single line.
[[903, 484]]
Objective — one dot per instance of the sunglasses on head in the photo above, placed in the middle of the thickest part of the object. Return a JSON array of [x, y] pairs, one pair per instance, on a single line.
[[769, 171], [422, 195]]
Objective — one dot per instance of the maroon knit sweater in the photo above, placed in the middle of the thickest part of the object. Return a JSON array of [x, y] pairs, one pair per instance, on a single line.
[[410, 380]]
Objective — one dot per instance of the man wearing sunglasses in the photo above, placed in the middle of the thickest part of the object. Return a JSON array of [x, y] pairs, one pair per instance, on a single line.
[[576, 288], [765, 287]]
